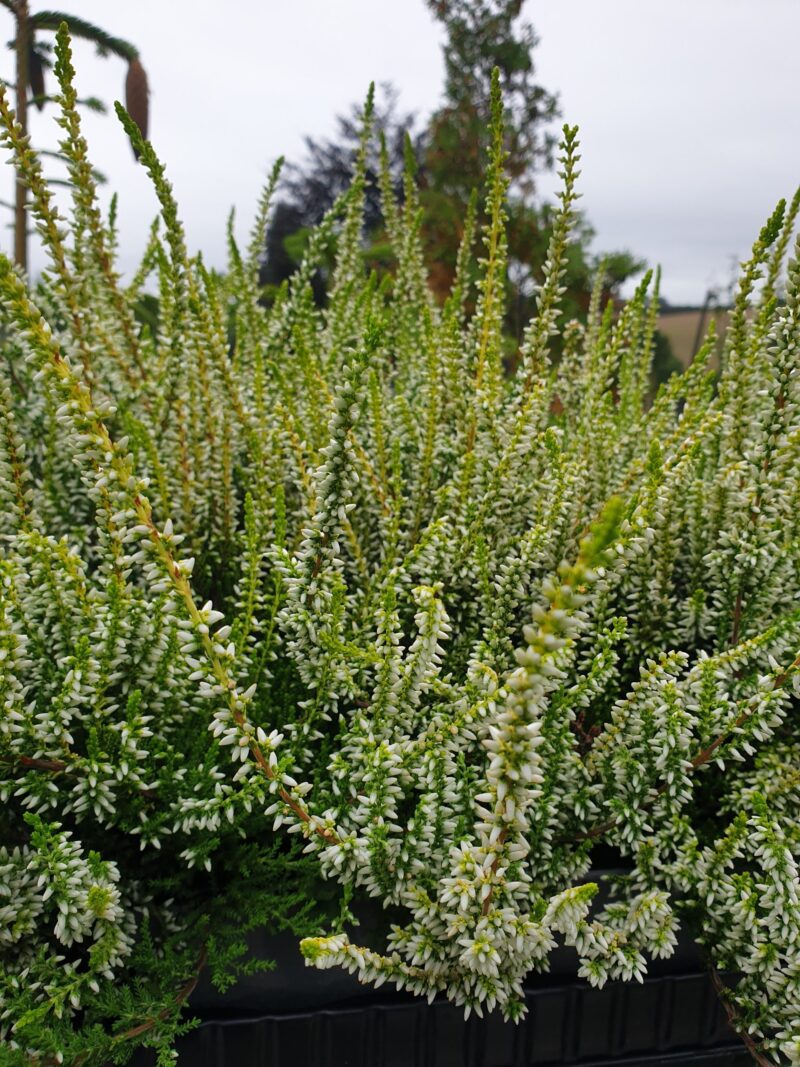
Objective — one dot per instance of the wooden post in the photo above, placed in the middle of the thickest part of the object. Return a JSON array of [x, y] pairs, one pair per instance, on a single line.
[[20, 203]]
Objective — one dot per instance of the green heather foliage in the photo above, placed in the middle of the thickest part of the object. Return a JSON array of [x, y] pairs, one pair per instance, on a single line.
[[309, 597]]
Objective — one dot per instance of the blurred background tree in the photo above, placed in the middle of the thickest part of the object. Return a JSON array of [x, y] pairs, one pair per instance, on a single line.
[[451, 152], [308, 191], [32, 51], [482, 35]]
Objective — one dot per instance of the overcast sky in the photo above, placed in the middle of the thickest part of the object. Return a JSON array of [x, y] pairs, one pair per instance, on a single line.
[[689, 110]]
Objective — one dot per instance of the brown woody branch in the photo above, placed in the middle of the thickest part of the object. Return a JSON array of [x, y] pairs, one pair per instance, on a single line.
[[704, 756], [734, 1021], [53, 766], [182, 995], [143, 1027], [36, 764]]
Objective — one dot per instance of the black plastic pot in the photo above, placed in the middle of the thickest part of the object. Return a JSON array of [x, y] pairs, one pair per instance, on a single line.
[[672, 1018], [296, 1016]]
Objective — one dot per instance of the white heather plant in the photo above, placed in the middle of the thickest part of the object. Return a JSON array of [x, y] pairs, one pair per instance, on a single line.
[[330, 572]]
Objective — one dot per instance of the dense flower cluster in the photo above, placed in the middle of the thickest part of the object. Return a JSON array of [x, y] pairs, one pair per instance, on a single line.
[[333, 572]]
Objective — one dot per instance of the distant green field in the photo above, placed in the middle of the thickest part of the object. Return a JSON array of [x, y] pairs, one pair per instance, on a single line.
[[680, 327]]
